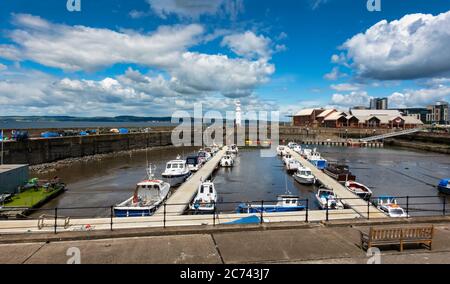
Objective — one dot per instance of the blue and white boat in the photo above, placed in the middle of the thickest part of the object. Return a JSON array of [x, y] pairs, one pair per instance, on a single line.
[[316, 159], [176, 173], [389, 205], [285, 203], [147, 197], [444, 186]]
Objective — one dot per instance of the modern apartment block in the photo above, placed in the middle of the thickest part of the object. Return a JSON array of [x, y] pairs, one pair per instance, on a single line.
[[438, 113]]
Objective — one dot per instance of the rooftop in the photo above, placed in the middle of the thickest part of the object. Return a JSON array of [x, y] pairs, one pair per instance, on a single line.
[[7, 168]]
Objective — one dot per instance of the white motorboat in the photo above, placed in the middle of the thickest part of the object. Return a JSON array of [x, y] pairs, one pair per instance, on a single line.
[[389, 205], [204, 156], [328, 200], [147, 197], [306, 152], [285, 203], [227, 161], [281, 150], [194, 163], [304, 176], [292, 165], [215, 148], [316, 159], [286, 158], [234, 149], [297, 149], [291, 145], [359, 189], [206, 198], [176, 173]]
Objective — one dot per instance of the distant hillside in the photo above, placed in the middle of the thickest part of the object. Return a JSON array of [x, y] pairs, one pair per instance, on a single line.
[[84, 119]]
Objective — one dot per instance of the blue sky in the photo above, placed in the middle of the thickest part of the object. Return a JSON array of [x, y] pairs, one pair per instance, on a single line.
[[153, 57]]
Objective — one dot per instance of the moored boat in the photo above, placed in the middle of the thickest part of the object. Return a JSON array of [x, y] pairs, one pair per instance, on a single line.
[[281, 150], [327, 199], [359, 189], [304, 176], [287, 158], [297, 149], [227, 161], [234, 149], [147, 197], [206, 198], [292, 165], [316, 159], [339, 172], [444, 186], [204, 156], [194, 163], [389, 205], [285, 203], [176, 172]]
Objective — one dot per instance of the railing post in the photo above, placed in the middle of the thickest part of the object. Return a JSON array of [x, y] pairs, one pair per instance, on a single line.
[[262, 212], [307, 211], [56, 220], [407, 206], [444, 205], [112, 215], [164, 218], [214, 214], [368, 209], [328, 211]]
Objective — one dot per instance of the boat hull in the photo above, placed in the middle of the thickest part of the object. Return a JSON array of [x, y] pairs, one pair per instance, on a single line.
[[444, 189], [320, 164], [245, 209], [133, 212], [342, 178], [304, 180], [176, 180]]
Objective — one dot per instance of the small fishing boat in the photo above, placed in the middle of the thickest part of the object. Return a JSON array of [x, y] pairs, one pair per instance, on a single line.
[[292, 165], [194, 163], [291, 145], [285, 203], [176, 172], [227, 161], [359, 189], [339, 172], [304, 176], [206, 198], [327, 199], [215, 148], [281, 150], [306, 152], [298, 149], [389, 205], [444, 186], [204, 156], [287, 158], [234, 149], [316, 159], [147, 197]]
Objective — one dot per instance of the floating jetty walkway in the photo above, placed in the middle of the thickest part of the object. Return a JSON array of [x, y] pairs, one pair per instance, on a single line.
[[363, 208], [178, 202]]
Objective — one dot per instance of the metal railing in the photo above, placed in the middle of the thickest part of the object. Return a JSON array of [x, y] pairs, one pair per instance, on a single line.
[[224, 213]]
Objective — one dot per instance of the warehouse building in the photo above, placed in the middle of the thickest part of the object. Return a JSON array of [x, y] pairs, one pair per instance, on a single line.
[[11, 177]]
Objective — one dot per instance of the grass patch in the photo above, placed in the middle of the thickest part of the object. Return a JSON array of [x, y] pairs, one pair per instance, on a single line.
[[28, 198]]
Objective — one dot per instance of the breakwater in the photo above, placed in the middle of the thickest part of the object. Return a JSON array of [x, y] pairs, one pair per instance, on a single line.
[[39, 151]]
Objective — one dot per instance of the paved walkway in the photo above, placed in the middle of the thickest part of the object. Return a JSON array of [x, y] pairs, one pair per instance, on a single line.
[[300, 245]]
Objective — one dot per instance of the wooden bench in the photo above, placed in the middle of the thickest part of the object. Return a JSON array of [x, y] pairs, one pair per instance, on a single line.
[[398, 236]]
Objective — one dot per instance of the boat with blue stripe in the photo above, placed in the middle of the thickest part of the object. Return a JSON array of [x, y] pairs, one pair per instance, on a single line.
[[285, 203], [444, 186]]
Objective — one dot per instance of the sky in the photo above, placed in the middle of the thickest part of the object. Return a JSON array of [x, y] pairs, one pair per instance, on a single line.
[[155, 57]]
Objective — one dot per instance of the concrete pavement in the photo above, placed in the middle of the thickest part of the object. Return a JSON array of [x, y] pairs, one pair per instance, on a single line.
[[319, 244]]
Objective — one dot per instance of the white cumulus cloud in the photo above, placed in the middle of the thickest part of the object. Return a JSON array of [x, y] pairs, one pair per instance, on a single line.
[[416, 46], [249, 45]]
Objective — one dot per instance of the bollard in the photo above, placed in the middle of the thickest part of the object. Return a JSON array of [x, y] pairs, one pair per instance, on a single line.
[[327, 213], [407, 206]]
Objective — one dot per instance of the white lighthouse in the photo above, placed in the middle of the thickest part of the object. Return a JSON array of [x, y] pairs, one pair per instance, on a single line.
[[238, 114]]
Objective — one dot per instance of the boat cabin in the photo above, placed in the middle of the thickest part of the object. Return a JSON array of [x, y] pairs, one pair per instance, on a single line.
[[147, 192], [288, 201], [176, 165], [193, 160]]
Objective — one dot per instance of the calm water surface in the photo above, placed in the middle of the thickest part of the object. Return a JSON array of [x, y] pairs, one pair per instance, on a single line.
[[387, 171]]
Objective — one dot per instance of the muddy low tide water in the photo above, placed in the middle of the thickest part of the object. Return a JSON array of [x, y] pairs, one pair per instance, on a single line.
[[394, 172]]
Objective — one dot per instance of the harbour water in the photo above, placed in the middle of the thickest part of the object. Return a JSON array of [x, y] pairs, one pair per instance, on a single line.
[[387, 171]]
